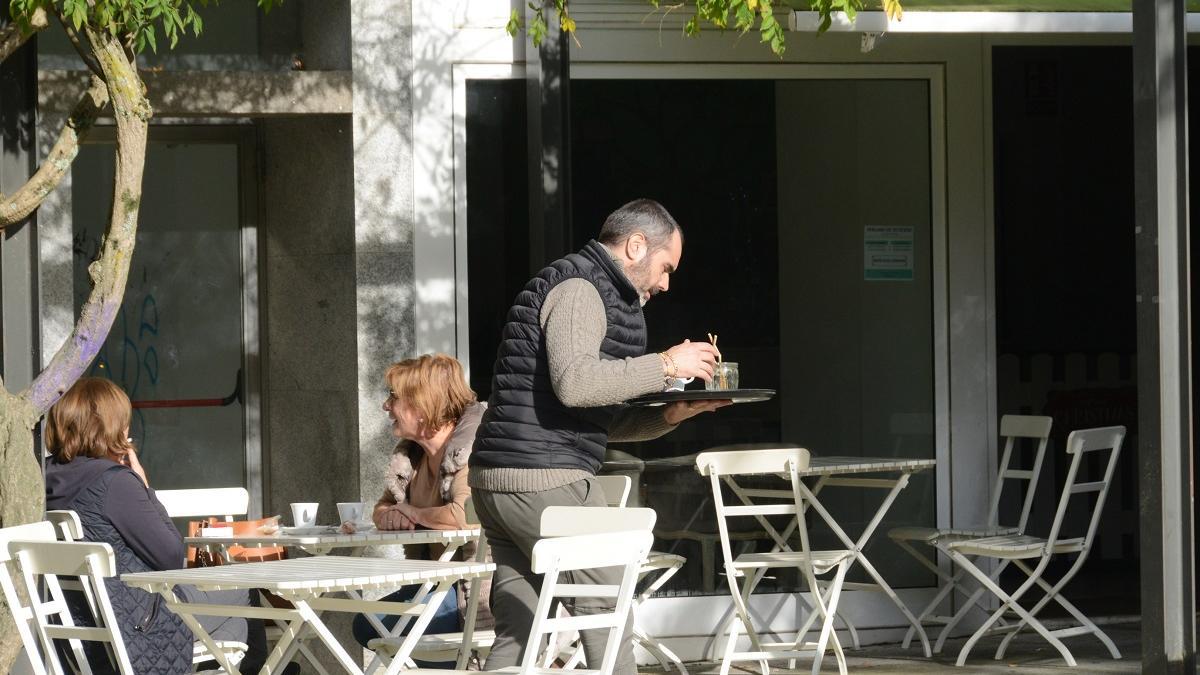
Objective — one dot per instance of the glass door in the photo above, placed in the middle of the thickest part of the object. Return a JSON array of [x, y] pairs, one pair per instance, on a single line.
[[183, 337]]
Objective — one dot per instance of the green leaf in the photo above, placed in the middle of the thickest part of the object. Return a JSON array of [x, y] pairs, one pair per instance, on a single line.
[[745, 17], [514, 23], [537, 28]]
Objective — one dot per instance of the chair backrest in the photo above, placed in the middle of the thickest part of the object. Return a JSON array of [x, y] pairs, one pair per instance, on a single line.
[[1013, 427], [228, 502], [747, 459], [66, 525], [726, 465], [1081, 443], [9, 576], [68, 528], [615, 489], [41, 561], [565, 521], [556, 555]]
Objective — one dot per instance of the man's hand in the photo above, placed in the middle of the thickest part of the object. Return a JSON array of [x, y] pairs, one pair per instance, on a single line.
[[694, 359], [682, 410], [393, 518]]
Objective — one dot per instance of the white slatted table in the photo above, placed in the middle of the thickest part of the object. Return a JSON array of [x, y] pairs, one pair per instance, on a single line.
[[856, 472], [322, 540], [305, 582]]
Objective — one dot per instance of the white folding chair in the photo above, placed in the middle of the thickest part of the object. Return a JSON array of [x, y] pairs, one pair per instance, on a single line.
[[39, 560], [1012, 429], [728, 466], [21, 609], [1019, 548], [616, 491], [66, 525], [447, 646], [194, 503], [68, 528], [554, 556]]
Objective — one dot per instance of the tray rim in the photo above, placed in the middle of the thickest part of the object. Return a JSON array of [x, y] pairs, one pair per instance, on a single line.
[[735, 395]]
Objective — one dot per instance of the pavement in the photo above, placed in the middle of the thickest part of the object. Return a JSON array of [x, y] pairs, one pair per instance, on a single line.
[[1028, 653]]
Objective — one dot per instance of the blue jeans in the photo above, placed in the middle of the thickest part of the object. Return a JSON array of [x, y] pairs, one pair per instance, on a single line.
[[445, 620]]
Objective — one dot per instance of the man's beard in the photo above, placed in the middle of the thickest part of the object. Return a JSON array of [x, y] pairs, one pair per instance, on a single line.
[[639, 276]]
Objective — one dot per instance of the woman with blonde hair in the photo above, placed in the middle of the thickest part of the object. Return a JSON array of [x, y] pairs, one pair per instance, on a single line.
[[434, 415], [94, 471]]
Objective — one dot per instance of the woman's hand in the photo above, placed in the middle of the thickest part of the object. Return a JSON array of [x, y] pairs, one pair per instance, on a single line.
[[682, 410], [394, 518], [131, 460]]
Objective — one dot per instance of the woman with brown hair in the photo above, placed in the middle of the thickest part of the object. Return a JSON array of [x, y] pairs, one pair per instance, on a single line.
[[434, 415], [94, 471]]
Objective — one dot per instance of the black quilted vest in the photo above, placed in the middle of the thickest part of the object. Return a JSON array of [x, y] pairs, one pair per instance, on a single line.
[[525, 425], [157, 640]]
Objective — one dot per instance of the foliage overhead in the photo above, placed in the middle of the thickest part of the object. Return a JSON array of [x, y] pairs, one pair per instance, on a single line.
[[136, 21], [741, 15]]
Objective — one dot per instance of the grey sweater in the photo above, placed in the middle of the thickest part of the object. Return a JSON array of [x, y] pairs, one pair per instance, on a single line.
[[574, 323]]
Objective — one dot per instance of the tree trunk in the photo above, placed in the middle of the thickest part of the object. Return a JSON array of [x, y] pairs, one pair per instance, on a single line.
[[22, 490], [22, 495]]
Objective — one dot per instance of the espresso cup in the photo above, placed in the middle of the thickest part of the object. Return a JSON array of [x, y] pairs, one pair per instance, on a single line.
[[725, 376], [304, 514], [351, 512], [677, 383]]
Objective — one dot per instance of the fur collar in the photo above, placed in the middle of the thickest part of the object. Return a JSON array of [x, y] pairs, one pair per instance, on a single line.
[[409, 455]]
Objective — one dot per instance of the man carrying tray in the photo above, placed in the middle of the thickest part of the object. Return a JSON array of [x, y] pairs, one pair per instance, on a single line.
[[572, 351]]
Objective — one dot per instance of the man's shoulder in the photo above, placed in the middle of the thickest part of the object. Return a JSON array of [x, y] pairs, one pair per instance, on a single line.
[[571, 292]]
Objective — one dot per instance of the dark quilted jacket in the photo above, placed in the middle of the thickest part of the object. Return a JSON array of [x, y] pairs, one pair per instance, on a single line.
[[157, 640], [525, 425]]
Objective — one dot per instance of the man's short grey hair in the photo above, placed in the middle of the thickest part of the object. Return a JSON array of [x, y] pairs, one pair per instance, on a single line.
[[640, 215]]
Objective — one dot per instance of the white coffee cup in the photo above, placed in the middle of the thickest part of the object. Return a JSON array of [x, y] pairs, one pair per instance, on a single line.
[[304, 514], [351, 512], [677, 383]]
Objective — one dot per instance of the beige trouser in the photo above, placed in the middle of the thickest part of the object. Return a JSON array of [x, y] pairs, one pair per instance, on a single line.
[[511, 520]]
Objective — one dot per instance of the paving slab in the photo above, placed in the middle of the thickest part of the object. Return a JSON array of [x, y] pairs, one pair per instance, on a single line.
[[1027, 654]]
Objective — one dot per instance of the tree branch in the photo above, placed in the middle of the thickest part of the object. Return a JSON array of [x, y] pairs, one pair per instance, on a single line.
[[14, 208], [110, 271], [12, 37], [77, 43]]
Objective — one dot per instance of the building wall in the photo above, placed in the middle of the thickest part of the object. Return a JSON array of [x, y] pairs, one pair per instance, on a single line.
[[310, 402]]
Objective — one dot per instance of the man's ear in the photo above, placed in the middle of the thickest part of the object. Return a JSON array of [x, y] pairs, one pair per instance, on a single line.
[[636, 247]]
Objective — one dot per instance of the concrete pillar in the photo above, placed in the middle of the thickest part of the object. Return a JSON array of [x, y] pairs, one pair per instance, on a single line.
[[381, 56], [1160, 114]]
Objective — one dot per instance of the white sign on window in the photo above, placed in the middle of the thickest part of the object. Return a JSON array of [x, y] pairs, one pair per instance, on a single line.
[[887, 253]]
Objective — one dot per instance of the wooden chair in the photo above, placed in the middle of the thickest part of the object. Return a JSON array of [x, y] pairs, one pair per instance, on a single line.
[[1012, 428], [1032, 555]]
